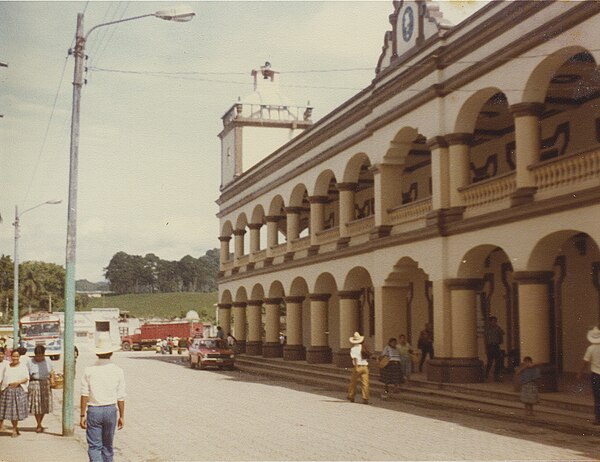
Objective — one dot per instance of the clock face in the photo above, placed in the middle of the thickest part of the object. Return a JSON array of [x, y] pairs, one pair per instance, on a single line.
[[408, 23]]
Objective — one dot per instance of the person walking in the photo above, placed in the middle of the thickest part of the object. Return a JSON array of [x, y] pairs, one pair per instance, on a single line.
[[102, 397], [528, 374], [391, 373], [360, 362], [494, 337], [591, 359], [41, 380], [425, 344], [13, 401]]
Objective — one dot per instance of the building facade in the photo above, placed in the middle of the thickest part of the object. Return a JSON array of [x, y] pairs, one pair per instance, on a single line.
[[462, 183]]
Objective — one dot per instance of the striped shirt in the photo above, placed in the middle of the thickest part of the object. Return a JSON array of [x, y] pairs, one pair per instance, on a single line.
[[391, 353]]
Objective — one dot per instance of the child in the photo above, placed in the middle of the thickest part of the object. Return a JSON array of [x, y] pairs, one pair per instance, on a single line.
[[528, 373]]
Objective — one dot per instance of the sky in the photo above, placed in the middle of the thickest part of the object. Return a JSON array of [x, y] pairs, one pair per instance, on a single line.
[[149, 155]]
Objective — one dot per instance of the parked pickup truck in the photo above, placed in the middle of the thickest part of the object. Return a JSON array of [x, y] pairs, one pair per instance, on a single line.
[[211, 352]]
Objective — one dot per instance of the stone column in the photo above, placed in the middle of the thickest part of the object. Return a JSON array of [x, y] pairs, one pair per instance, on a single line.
[[440, 173], [388, 194], [292, 229], [293, 349], [225, 317], [254, 237], [527, 141], [459, 148], [463, 366], [349, 322], [272, 347], [224, 253], [239, 242], [254, 339], [319, 351], [272, 232], [534, 323], [317, 212], [442, 328], [347, 191], [239, 325]]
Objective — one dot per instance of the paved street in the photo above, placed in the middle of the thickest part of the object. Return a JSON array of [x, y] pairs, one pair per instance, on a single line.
[[175, 413]]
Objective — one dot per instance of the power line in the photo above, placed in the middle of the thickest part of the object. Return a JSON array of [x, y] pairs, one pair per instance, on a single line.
[[43, 146]]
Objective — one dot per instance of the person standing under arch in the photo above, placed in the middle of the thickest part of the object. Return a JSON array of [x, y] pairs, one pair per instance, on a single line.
[[591, 358], [425, 344]]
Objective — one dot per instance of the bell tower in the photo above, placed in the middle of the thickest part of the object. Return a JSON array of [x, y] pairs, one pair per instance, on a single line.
[[258, 124]]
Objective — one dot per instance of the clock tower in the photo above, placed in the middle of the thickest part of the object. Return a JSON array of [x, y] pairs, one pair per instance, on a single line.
[[413, 22]]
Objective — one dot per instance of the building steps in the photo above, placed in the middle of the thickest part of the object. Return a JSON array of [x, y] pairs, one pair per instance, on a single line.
[[553, 412]]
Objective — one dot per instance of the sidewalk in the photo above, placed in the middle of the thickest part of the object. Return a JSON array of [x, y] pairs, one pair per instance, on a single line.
[[49, 446]]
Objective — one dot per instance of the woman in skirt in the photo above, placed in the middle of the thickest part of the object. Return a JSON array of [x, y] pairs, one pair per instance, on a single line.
[[528, 374], [392, 373], [13, 401], [41, 379]]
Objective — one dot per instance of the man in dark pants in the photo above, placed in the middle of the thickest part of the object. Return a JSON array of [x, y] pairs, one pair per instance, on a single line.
[[494, 337], [592, 358]]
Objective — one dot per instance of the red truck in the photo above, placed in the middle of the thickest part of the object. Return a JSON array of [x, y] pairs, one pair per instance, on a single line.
[[148, 334]]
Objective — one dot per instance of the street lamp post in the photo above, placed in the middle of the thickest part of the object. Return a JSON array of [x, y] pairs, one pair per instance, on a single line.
[[16, 270], [180, 14]]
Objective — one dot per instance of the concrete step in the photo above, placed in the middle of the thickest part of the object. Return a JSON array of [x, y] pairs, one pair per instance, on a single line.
[[504, 405]]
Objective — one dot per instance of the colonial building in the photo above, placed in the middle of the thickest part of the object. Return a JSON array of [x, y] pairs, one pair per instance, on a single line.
[[462, 183]]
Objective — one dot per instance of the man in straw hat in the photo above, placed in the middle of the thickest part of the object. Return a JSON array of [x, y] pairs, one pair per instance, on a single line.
[[592, 358], [360, 356], [102, 394]]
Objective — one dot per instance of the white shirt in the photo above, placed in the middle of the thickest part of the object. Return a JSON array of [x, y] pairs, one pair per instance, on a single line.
[[41, 370], [103, 383], [356, 353], [592, 356], [15, 374]]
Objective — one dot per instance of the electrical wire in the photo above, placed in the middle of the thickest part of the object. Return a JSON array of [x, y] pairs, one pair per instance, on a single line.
[[43, 146], [113, 29]]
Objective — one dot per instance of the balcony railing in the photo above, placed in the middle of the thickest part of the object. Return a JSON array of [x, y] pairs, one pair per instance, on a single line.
[[566, 171], [243, 260], [488, 191], [260, 255], [300, 244], [278, 250], [361, 226], [409, 212], [227, 266], [328, 235]]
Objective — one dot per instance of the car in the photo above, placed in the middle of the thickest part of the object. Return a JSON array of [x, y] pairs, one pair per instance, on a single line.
[[211, 352]]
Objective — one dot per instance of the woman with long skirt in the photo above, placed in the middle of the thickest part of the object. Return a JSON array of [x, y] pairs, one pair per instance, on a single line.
[[13, 401], [41, 379]]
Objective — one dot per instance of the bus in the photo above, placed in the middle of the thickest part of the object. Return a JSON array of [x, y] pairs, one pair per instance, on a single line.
[[41, 328]]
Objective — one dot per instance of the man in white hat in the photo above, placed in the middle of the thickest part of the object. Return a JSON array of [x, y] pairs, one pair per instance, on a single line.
[[360, 356], [102, 396], [592, 358]]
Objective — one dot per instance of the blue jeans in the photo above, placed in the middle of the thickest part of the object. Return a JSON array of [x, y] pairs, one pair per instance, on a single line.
[[100, 432], [596, 390]]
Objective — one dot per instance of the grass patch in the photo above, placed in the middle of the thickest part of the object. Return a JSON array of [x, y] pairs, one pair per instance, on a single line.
[[168, 305]]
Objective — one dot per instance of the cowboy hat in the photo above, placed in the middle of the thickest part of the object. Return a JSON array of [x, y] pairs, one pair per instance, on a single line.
[[356, 338], [104, 345], [593, 335]]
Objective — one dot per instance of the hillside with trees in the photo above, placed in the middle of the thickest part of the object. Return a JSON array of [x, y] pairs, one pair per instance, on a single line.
[[134, 274]]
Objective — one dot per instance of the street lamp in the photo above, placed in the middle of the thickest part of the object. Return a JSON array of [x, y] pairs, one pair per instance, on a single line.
[[16, 269], [179, 14]]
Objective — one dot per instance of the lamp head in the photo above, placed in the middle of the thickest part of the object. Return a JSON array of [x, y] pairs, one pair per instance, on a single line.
[[56, 201], [177, 14]]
